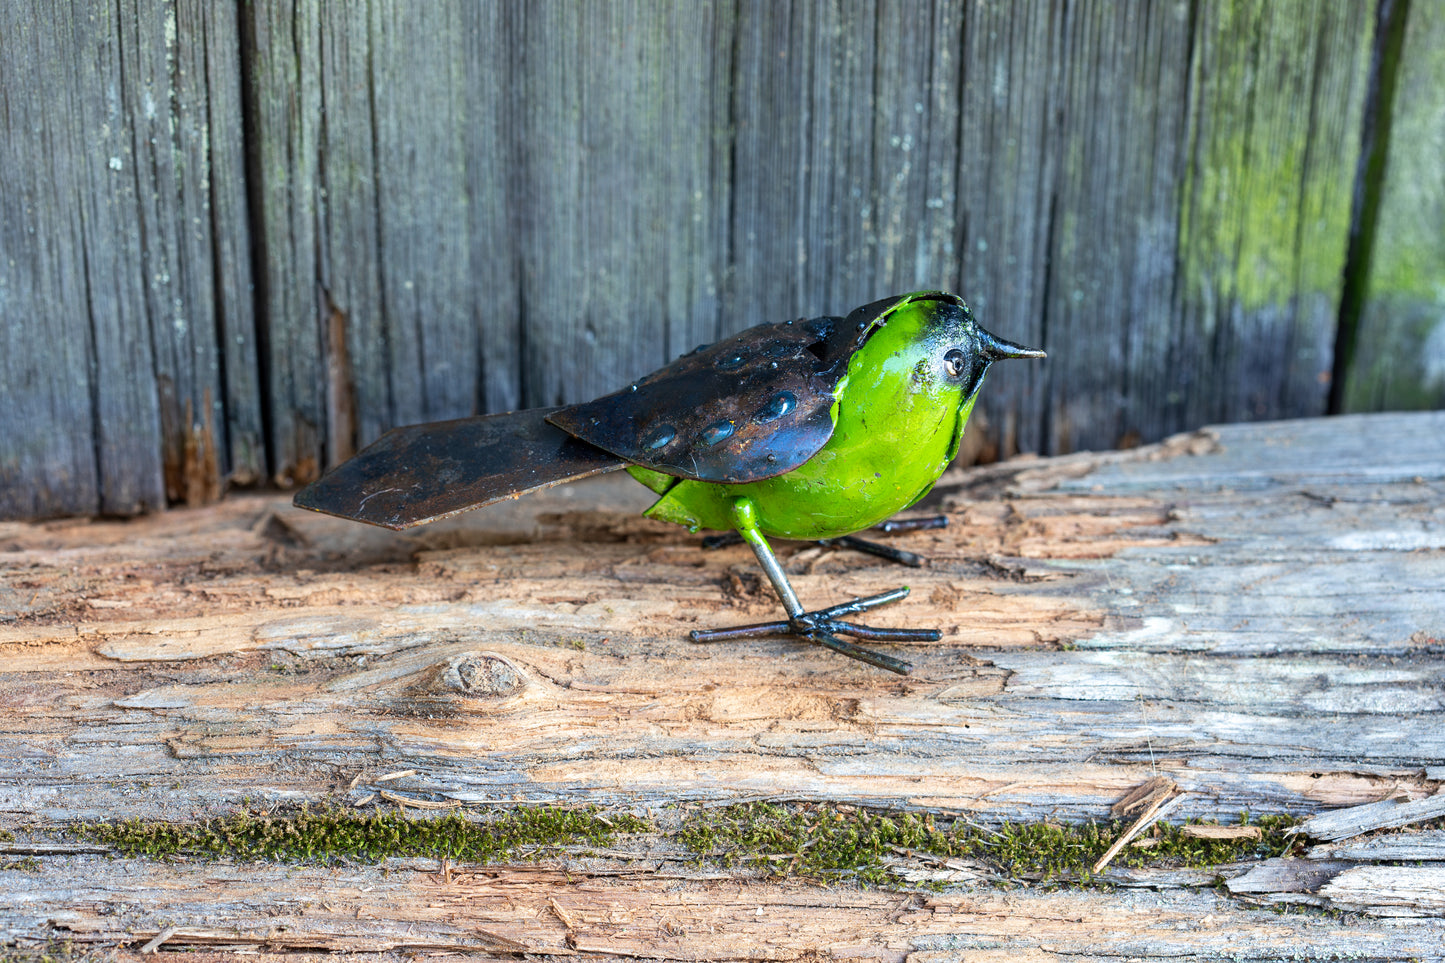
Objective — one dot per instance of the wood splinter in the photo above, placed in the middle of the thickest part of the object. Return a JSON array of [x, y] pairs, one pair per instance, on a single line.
[[1161, 805]]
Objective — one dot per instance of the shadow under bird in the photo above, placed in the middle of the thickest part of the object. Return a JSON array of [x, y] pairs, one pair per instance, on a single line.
[[808, 429]]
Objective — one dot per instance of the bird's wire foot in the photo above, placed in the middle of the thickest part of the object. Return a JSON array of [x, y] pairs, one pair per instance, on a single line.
[[895, 526], [826, 625]]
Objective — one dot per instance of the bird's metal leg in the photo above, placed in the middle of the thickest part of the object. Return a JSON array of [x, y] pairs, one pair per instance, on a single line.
[[823, 627]]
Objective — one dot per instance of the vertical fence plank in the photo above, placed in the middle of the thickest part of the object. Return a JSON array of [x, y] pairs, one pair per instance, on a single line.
[[420, 112], [916, 140], [113, 285], [1113, 222], [618, 202], [1277, 93], [210, 43], [846, 119], [359, 126], [832, 254], [350, 321], [193, 297], [1399, 349], [172, 249], [765, 229], [283, 53], [107, 180], [494, 296], [1013, 61], [48, 462]]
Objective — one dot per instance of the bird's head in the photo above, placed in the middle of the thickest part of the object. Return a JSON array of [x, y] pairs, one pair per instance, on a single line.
[[933, 337]]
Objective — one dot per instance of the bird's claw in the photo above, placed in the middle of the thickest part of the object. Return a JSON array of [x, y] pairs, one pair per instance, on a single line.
[[825, 627]]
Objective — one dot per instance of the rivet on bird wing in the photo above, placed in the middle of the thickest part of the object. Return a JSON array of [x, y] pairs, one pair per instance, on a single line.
[[734, 360], [780, 405], [658, 437], [716, 432], [819, 327]]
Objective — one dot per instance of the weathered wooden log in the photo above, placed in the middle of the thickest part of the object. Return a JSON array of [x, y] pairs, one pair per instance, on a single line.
[[1253, 612]]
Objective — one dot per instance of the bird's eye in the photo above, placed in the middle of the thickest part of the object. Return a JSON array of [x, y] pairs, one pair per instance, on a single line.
[[953, 362]]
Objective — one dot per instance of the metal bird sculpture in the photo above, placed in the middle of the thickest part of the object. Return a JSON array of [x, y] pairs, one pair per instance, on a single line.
[[808, 429]]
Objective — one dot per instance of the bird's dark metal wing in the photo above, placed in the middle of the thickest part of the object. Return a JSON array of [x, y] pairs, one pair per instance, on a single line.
[[422, 473], [750, 407]]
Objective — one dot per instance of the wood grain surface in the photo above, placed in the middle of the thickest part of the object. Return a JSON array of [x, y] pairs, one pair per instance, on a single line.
[[1253, 613]]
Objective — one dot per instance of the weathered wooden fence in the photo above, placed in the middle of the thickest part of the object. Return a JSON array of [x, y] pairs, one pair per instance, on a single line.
[[236, 241]]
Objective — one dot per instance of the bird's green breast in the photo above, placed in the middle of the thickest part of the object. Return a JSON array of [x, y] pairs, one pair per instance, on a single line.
[[897, 425]]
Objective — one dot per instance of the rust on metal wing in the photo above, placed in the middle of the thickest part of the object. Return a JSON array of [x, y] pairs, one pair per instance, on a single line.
[[749, 407], [422, 473]]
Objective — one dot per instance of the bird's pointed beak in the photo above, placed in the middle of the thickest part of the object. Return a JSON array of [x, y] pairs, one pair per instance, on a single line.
[[997, 349]]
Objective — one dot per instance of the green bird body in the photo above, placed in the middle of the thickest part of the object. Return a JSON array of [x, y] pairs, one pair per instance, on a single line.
[[898, 417], [805, 430]]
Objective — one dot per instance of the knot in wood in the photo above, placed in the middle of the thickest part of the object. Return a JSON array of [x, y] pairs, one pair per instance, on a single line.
[[481, 674]]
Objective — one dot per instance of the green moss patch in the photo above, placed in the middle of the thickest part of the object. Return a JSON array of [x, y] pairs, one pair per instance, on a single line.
[[326, 835], [837, 842], [821, 841], [1050, 851]]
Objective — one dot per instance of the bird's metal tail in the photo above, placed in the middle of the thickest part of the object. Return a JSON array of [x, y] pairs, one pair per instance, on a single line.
[[421, 473]]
